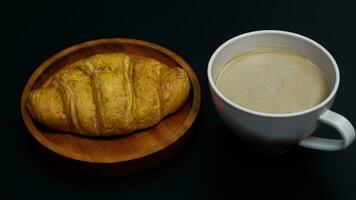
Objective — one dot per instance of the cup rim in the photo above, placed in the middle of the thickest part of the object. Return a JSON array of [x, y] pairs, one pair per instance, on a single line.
[[263, 114]]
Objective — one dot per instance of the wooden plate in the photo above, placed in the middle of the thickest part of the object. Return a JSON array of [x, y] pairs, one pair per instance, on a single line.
[[119, 155]]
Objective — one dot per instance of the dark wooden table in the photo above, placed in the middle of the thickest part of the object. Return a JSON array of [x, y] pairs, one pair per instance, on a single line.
[[213, 165]]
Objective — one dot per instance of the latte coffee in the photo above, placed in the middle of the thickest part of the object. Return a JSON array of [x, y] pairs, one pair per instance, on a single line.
[[273, 80]]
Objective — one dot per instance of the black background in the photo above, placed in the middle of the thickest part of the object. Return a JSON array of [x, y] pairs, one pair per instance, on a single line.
[[213, 165]]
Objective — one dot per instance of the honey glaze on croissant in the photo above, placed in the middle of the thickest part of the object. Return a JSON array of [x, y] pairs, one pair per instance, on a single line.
[[109, 94]]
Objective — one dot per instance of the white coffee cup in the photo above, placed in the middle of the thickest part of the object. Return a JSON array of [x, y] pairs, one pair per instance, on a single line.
[[277, 133]]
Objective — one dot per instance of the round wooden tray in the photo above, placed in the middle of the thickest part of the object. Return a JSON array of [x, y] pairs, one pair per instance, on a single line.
[[121, 155]]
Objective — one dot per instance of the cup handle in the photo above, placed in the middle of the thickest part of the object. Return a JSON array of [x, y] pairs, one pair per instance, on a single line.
[[341, 124]]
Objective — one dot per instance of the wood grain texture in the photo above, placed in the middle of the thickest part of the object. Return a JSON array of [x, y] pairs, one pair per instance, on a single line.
[[120, 155]]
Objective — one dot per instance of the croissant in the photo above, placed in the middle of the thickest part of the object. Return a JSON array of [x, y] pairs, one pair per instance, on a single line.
[[109, 94]]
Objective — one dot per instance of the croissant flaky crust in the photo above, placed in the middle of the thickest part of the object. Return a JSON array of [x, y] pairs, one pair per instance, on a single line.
[[109, 94]]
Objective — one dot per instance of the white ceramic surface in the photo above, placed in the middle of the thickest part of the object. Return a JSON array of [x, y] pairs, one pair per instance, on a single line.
[[276, 133]]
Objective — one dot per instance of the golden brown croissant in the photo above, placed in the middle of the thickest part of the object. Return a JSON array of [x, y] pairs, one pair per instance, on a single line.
[[109, 94]]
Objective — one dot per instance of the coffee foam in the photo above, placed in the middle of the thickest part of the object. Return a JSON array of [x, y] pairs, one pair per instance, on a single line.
[[273, 81]]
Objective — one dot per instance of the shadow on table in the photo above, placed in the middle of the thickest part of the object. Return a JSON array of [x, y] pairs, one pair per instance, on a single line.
[[239, 172]]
